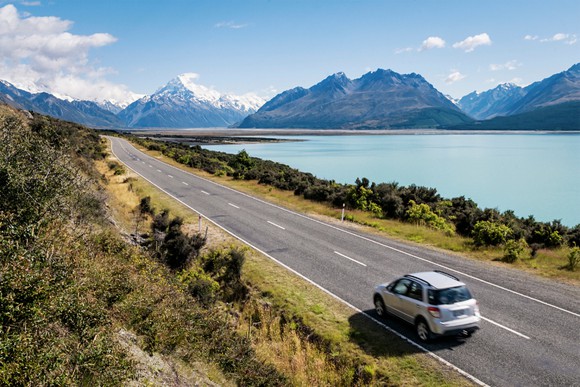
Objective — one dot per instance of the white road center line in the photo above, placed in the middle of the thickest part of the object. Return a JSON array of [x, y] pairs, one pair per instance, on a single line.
[[184, 183], [233, 205], [274, 224], [159, 170], [506, 328], [205, 193], [170, 176], [150, 166], [354, 260]]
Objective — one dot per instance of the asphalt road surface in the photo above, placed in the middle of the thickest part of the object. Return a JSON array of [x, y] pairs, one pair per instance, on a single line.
[[530, 333]]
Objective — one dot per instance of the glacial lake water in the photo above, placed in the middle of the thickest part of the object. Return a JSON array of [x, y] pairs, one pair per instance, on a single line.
[[532, 174]]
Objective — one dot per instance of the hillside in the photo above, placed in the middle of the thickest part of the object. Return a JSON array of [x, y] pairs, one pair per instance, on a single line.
[[564, 116]]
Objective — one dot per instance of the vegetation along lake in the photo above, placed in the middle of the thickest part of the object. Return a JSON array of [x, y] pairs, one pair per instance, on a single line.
[[532, 174]]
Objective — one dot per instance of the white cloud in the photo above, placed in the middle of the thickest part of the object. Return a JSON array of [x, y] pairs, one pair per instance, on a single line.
[[559, 37], [230, 25], [39, 53], [471, 42], [509, 65], [455, 76], [403, 50], [432, 42]]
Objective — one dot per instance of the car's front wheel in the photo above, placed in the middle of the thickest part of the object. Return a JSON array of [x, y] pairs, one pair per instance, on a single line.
[[380, 307], [423, 330]]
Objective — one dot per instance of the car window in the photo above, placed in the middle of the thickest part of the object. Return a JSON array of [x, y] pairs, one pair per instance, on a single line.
[[402, 286], [416, 291], [449, 296]]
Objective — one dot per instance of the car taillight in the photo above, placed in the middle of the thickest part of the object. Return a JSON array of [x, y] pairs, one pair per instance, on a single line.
[[434, 311]]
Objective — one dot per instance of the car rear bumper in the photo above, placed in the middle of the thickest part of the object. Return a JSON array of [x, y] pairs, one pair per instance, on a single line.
[[455, 327]]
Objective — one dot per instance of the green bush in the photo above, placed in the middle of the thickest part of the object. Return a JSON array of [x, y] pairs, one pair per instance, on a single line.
[[513, 250], [486, 233], [573, 258]]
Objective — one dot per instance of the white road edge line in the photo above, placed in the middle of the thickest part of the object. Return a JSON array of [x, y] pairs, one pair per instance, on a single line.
[[506, 328], [233, 205], [277, 225], [354, 260], [386, 327]]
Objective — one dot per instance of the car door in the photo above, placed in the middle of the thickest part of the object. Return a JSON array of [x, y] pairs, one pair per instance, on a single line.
[[412, 301], [395, 298]]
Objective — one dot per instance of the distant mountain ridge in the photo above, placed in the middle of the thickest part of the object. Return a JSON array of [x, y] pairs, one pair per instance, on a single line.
[[379, 99], [182, 103], [509, 99], [491, 103], [83, 112]]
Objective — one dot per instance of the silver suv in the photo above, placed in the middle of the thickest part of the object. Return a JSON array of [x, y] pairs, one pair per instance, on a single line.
[[437, 303]]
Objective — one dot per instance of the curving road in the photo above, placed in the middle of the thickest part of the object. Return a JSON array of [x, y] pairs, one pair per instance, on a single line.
[[530, 334]]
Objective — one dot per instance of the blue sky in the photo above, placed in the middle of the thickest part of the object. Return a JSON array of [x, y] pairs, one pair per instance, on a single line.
[[108, 48]]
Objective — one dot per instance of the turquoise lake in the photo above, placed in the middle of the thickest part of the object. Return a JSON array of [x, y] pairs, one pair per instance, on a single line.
[[531, 174]]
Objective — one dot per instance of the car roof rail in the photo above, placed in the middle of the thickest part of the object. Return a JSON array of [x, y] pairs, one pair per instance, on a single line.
[[417, 278], [447, 274]]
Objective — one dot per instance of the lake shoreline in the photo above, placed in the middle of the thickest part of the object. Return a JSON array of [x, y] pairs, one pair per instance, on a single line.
[[233, 133]]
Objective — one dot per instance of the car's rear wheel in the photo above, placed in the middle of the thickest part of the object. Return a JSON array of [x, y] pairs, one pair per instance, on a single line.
[[380, 307], [423, 330]]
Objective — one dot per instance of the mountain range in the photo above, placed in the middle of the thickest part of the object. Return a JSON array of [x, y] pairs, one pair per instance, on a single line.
[[509, 99], [377, 100], [550, 104], [382, 99]]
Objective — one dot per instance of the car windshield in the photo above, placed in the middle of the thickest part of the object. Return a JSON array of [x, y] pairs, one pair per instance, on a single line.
[[449, 296]]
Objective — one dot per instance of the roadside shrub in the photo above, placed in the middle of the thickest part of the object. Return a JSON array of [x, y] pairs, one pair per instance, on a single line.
[[145, 206], [225, 267], [423, 215], [573, 258], [514, 249], [200, 285], [486, 233], [116, 167]]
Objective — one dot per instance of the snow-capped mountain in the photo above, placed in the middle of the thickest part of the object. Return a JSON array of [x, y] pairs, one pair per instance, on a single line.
[[509, 99], [182, 103], [378, 100], [491, 103], [82, 112]]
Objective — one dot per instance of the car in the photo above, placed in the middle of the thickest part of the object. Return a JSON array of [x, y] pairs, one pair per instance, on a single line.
[[435, 302]]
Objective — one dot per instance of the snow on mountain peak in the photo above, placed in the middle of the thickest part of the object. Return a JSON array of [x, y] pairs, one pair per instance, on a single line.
[[184, 87], [187, 81]]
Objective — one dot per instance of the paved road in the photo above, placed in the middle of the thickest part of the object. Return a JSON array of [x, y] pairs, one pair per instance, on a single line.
[[531, 330]]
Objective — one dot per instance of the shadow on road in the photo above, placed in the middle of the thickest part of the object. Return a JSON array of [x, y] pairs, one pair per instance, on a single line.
[[376, 340]]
